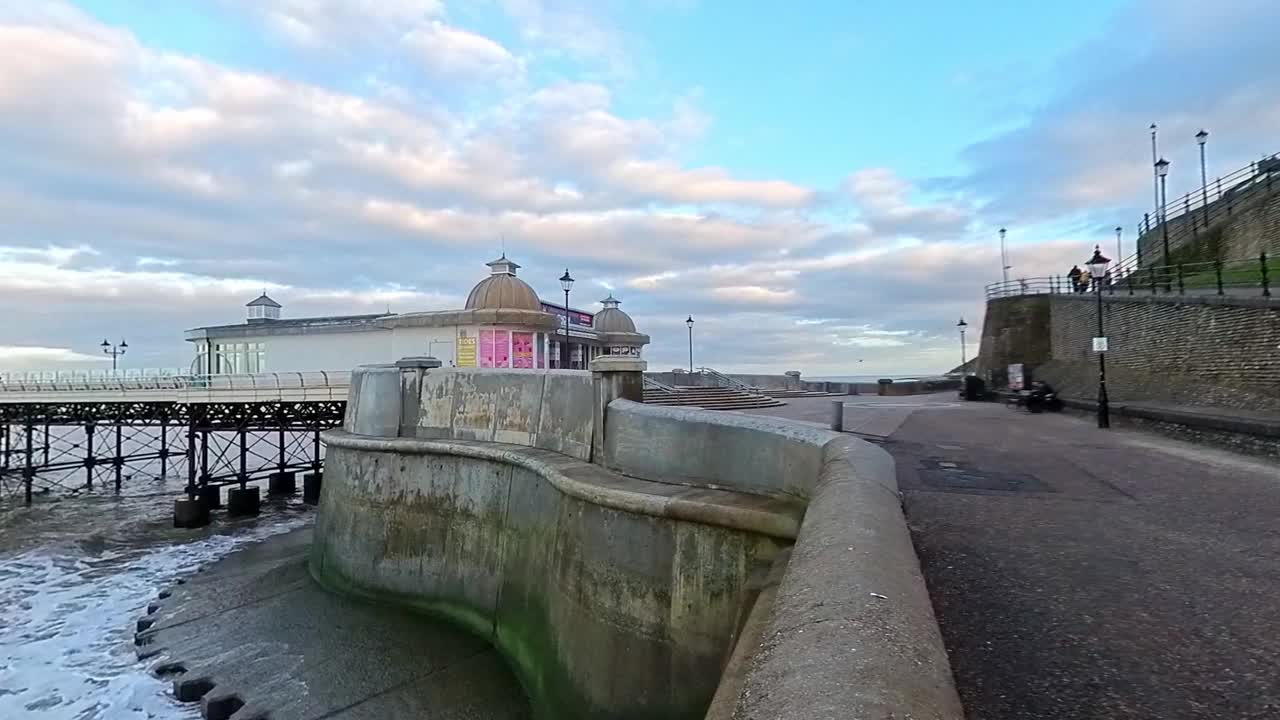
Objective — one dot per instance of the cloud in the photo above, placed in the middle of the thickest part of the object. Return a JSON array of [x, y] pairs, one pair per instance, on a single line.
[[333, 23], [883, 198], [457, 54], [22, 357], [1179, 63]]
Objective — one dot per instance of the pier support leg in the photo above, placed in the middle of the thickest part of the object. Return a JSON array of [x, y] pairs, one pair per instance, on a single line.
[[29, 472], [191, 458], [89, 460], [243, 475], [242, 502], [190, 513], [311, 483], [164, 446], [119, 461], [282, 483], [210, 496]]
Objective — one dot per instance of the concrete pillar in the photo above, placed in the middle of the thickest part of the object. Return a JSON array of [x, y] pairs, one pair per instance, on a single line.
[[211, 496], [793, 380], [411, 371], [190, 513], [613, 377], [837, 415], [282, 483], [242, 502], [311, 488]]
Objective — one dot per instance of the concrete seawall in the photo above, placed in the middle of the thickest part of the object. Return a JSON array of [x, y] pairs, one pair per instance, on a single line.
[[620, 558]]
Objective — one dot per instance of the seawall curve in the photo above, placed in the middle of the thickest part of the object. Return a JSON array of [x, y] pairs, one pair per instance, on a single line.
[[648, 565]]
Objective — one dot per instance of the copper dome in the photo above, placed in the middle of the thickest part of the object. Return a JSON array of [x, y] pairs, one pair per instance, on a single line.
[[502, 290], [613, 319]]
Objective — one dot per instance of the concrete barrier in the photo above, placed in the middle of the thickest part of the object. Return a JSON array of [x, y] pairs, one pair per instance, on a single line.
[[611, 597], [647, 577]]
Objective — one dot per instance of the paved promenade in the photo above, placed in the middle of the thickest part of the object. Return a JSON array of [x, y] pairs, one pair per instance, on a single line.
[[1082, 573]]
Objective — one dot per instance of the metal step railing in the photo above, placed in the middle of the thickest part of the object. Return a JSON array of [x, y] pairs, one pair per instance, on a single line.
[[1253, 278]]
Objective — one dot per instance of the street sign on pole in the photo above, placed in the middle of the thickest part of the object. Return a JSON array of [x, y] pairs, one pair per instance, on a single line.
[[1100, 344]]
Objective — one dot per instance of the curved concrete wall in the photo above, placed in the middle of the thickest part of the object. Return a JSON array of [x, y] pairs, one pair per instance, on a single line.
[[747, 453], [623, 592], [612, 597]]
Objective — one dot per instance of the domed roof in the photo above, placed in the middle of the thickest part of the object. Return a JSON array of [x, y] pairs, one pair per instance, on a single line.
[[502, 290], [613, 319]]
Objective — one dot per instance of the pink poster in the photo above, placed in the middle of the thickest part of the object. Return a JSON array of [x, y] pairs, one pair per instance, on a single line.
[[486, 348], [501, 348], [521, 350]]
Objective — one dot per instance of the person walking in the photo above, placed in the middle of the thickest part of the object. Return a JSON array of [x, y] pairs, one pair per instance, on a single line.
[[1085, 277], [1075, 278]]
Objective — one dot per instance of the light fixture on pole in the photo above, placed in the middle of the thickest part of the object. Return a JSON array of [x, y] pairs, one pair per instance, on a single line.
[[115, 351], [689, 323], [964, 360], [1162, 171], [1155, 177], [566, 283], [1119, 251], [1202, 137], [1097, 270], [1004, 258]]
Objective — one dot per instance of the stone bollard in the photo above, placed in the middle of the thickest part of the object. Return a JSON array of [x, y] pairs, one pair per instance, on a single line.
[[282, 483], [242, 502], [837, 415], [190, 513], [210, 495], [311, 483], [411, 371], [613, 377], [793, 380]]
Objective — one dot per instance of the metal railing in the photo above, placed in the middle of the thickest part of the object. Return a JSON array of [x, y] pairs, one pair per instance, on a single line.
[[1195, 212], [320, 384], [651, 384], [726, 380], [1254, 277]]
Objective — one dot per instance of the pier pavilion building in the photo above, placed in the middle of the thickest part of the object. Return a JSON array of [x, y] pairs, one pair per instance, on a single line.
[[503, 325]]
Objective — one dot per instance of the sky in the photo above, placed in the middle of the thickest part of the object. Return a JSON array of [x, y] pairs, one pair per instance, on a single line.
[[819, 185]]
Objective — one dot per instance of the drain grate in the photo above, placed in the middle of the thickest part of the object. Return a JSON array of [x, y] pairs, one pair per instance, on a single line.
[[951, 476]]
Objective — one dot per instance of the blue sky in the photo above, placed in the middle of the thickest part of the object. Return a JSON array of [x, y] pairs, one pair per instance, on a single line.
[[820, 185]]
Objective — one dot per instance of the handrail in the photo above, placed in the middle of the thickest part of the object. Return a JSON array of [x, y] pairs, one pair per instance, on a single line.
[[728, 381], [1252, 277], [1238, 181], [265, 385], [654, 384]]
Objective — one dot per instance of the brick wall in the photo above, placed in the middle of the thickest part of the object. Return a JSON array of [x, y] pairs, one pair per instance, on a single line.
[[1240, 228], [1201, 351]]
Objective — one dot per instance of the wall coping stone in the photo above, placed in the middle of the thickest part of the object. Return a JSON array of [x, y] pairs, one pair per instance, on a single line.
[[594, 484], [1246, 301]]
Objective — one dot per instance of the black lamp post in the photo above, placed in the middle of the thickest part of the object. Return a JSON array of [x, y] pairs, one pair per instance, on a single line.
[[963, 359], [1004, 259], [1119, 251], [115, 351], [566, 282], [1097, 270], [1162, 170], [689, 324], [1202, 137]]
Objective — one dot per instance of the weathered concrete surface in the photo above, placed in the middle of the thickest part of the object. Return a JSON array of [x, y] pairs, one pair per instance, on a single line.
[[612, 596], [532, 408], [852, 632], [1082, 573], [717, 450], [256, 630]]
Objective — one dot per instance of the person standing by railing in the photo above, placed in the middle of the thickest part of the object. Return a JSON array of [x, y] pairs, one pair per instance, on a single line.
[[1085, 279], [1074, 275]]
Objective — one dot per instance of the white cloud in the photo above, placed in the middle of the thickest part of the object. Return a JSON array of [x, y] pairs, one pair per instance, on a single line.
[[455, 53]]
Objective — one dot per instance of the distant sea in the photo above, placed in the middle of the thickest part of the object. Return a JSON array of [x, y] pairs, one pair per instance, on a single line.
[[867, 378]]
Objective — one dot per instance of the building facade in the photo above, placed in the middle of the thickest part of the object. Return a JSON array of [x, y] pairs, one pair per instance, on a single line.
[[503, 325]]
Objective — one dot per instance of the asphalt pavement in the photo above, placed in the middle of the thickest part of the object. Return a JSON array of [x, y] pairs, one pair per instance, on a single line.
[[1086, 573]]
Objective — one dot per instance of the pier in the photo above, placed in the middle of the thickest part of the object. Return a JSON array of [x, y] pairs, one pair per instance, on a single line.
[[75, 434]]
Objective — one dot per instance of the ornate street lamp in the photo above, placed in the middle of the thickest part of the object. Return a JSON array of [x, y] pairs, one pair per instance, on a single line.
[[689, 324], [115, 351], [1097, 270], [1202, 137], [566, 282], [1004, 259], [1162, 171], [963, 360]]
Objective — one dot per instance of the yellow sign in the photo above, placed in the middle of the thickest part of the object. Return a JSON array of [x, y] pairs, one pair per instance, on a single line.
[[466, 352]]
